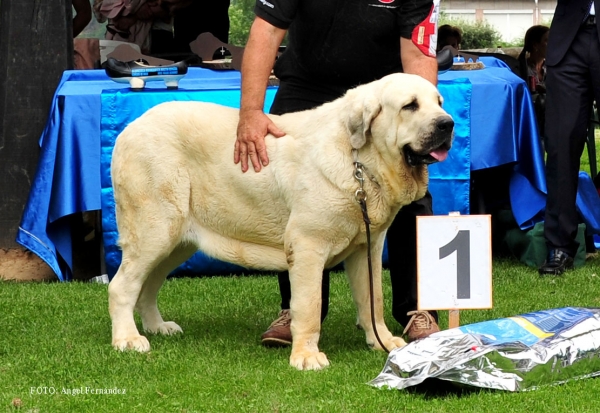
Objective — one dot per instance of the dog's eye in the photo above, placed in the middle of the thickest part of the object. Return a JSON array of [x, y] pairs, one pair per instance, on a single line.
[[412, 106]]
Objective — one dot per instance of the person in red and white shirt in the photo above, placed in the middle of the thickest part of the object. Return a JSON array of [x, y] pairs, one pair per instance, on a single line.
[[334, 46]]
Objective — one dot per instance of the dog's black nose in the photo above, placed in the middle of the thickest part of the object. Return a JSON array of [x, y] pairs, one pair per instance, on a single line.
[[444, 123]]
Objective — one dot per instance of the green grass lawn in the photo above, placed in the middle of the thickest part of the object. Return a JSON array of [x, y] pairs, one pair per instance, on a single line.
[[56, 339], [585, 160]]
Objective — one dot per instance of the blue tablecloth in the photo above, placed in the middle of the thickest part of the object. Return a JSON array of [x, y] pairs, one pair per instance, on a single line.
[[504, 131], [495, 126]]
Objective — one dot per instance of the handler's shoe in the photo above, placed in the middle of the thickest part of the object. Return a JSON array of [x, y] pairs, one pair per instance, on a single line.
[[556, 264], [279, 333], [421, 325]]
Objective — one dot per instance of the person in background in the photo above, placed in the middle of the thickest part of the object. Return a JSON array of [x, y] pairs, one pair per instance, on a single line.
[[83, 15], [332, 47], [449, 36], [532, 59], [86, 52], [532, 69], [199, 16], [572, 84], [133, 20]]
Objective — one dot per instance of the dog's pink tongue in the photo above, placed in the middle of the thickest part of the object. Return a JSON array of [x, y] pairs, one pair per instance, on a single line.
[[439, 154]]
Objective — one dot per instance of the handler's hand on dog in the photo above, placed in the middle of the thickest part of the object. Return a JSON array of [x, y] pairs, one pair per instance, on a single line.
[[253, 126]]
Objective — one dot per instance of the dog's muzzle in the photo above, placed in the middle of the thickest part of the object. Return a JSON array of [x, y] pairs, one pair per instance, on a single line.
[[437, 147]]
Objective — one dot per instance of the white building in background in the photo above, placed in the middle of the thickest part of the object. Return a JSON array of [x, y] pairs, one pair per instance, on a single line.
[[510, 18]]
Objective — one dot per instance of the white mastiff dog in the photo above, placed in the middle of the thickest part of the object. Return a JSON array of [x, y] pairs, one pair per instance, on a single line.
[[177, 190]]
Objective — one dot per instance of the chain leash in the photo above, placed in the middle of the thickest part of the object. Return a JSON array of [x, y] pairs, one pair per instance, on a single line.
[[361, 197]]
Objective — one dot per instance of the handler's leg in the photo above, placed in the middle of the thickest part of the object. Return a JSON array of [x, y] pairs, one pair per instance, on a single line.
[[279, 333], [568, 102], [402, 262]]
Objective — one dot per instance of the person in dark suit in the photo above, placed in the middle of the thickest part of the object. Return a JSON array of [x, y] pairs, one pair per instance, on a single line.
[[572, 84]]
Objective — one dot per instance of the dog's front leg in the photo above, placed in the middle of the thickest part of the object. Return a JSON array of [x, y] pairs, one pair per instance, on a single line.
[[306, 276], [357, 270]]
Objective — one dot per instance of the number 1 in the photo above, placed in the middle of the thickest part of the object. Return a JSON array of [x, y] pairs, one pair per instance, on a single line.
[[462, 245]]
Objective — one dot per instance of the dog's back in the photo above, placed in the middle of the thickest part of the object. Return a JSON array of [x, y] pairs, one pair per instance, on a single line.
[[175, 163]]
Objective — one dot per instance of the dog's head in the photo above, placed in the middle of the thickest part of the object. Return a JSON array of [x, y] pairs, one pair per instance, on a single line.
[[402, 114]]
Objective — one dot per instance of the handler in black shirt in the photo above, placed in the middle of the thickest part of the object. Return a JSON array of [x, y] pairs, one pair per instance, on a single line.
[[334, 46]]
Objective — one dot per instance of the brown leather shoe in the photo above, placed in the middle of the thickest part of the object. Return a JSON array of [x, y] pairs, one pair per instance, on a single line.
[[279, 333], [421, 325]]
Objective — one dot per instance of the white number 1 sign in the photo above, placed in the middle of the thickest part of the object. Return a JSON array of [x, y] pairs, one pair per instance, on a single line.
[[454, 262]]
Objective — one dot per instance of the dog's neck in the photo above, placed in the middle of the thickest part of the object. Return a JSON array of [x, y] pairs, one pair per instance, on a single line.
[[387, 186]]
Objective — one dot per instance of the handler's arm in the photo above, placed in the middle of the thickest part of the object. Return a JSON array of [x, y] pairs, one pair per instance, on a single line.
[[415, 62], [254, 125]]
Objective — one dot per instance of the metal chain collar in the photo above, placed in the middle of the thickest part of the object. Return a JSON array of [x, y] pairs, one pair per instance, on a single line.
[[360, 195]]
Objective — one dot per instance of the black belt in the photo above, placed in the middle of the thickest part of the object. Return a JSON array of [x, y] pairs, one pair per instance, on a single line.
[[590, 21]]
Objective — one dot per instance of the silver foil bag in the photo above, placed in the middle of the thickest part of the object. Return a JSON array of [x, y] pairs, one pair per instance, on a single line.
[[515, 353]]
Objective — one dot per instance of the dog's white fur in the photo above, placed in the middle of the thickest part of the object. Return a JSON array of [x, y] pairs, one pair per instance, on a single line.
[[177, 190]]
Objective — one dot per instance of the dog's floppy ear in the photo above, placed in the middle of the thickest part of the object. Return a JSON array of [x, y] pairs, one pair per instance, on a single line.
[[364, 107]]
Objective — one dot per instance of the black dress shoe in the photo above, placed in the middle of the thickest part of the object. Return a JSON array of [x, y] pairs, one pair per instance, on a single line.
[[557, 262], [138, 72]]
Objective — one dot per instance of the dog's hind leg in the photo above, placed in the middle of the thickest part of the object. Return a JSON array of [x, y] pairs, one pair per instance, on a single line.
[[123, 293], [144, 255], [147, 302], [356, 266]]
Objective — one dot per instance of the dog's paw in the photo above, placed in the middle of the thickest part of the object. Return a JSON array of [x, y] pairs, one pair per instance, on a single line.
[[390, 344], [166, 328], [397, 342], [308, 360], [137, 343]]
